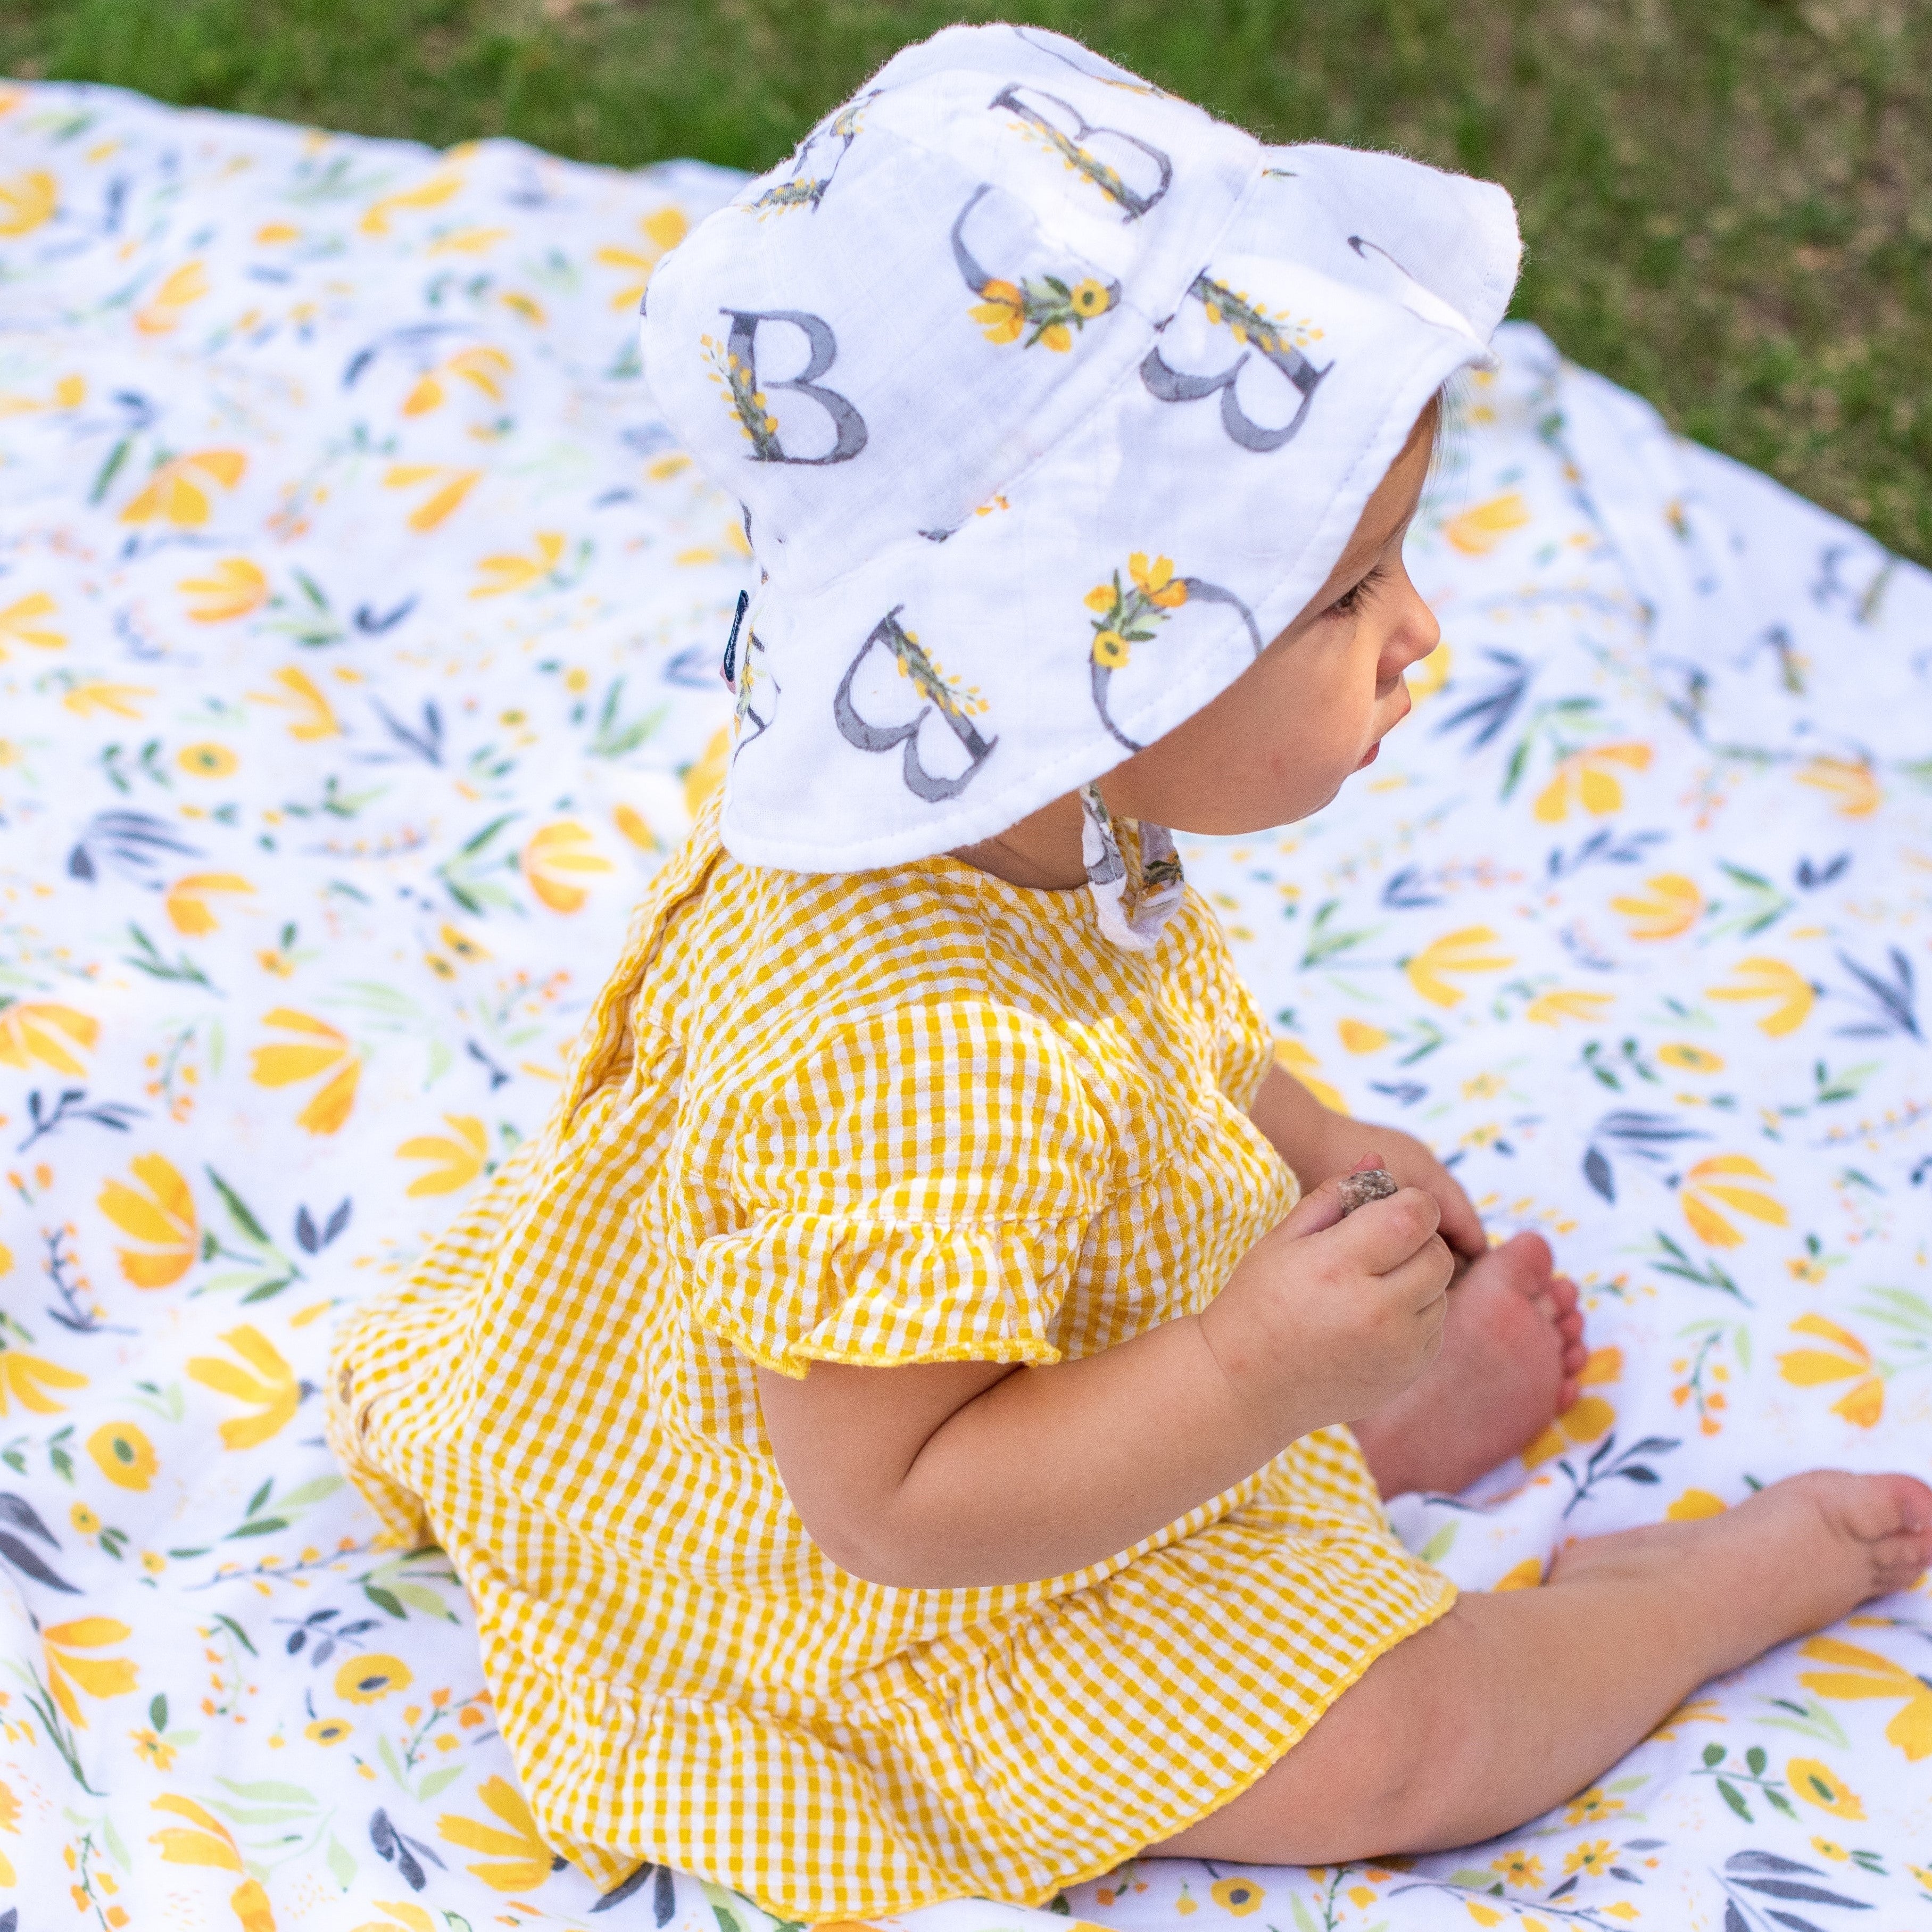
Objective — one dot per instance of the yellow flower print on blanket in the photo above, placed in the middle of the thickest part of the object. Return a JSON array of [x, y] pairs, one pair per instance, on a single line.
[[458, 1156], [516, 1858], [1472, 949], [1787, 995], [483, 368], [24, 622], [1901, 1316], [559, 857], [47, 1033], [1729, 1181], [26, 200], [181, 491], [1862, 1673], [311, 715], [74, 1671], [662, 231], [161, 313], [1478, 530], [123, 1455], [1669, 905], [1589, 779], [206, 1841], [158, 1212], [236, 586], [34, 1382], [261, 1379], [189, 902], [318, 1047], [450, 484]]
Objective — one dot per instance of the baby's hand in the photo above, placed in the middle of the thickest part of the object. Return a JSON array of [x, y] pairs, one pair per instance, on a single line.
[[1345, 1141], [1327, 1317]]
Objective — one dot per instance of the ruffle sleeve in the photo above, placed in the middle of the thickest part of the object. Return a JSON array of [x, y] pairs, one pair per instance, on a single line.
[[909, 1186], [796, 1289]]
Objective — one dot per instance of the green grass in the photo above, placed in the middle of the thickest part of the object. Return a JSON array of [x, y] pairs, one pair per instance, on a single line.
[[1728, 203]]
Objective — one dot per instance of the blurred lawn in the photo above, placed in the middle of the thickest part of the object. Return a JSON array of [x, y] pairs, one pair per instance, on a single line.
[[1728, 203]]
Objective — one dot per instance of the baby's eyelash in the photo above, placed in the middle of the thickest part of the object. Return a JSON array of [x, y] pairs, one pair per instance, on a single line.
[[1350, 599]]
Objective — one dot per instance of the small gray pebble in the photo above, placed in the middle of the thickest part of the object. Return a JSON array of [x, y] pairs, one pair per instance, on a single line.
[[1357, 1190]]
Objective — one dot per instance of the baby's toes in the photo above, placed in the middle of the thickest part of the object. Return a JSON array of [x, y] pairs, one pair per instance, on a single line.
[[1899, 1556], [1523, 1262]]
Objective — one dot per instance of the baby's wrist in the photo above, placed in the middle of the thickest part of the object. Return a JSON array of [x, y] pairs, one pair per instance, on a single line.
[[1260, 1393]]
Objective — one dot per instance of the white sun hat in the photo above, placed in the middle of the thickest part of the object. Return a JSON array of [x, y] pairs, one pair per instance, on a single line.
[[1049, 399]]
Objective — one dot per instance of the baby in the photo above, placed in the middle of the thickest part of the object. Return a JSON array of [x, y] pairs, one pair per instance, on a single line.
[[915, 1424]]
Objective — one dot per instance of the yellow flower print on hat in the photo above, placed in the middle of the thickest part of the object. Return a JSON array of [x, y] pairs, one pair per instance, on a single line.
[[1039, 114], [1127, 614], [1001, 311], [804, 188], [1154, 591], [1005, 311], [1053, 308]]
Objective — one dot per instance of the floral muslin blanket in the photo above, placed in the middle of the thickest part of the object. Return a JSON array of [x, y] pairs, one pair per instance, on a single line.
[[359, 636]]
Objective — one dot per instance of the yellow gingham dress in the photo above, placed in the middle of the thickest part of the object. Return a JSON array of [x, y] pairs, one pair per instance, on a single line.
[[909, 1115]]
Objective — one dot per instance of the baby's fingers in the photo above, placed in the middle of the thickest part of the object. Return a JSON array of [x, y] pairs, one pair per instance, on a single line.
[[1423, 1279], [1382, 1234]]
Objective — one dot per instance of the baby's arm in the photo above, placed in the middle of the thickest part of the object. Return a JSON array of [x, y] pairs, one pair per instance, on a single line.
[[956, 1474]]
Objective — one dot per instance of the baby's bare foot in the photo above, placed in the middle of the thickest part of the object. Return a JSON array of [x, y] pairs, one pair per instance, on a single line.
[[1512, 1347], [1791, 1558]]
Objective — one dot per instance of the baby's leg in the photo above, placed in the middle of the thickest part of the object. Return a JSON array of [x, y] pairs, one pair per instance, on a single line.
[[1511, 1703]]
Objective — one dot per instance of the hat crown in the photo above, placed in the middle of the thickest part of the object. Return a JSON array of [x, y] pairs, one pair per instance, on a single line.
[[991, 185]]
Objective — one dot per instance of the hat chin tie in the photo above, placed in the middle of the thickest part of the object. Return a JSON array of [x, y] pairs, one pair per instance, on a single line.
[[1132, 871]]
